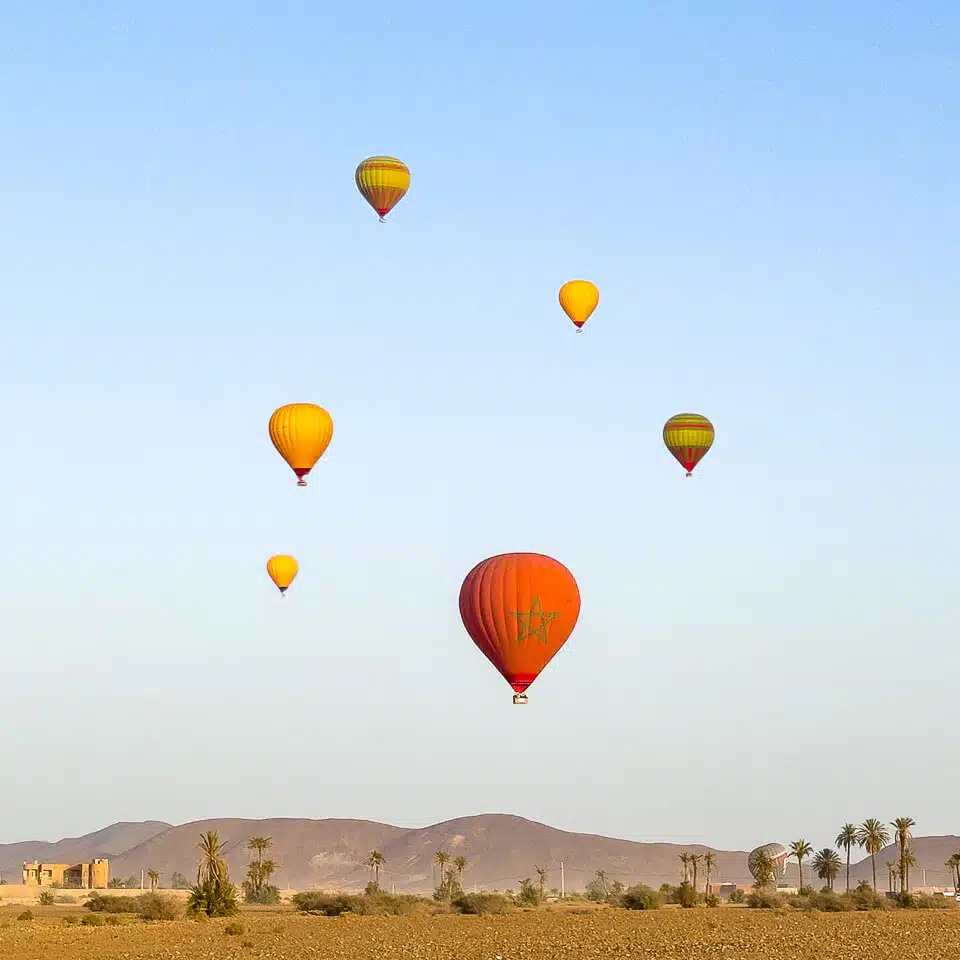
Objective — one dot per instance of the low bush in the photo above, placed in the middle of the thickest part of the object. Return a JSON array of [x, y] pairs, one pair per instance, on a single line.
[[234, 929], [763, 900], [738, 896], [71, 920], [111, 903], [266, 896], [111, 919], [334, 904], [711, 900], [480, 903], [156, 906], [686, 895], [866, 898], [93, 920], [46, 898], [26, 915], [641, 897]]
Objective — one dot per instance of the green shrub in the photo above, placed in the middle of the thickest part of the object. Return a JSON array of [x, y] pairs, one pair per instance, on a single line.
[[738, 896], [711, 900], [71, 920], [156, 906], [763, 900], [233, 929], [327, 904], [641, 897], [92, 920], [267, 895], [111, 920], [107, 903], [26, 915], [46, 898], [480, 903], [828, 902], [866, 898], [686, 895]]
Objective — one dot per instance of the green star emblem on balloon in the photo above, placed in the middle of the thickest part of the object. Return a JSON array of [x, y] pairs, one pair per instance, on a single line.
[[525, 621]]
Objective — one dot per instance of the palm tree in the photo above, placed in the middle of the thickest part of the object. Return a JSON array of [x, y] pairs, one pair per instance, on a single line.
[[154, 879], [763, 869], [892, 868], [953, 862], [375, 861], [827, 865], [442, 858], [685, 860], [872, 835], [601, 876], [709, 862], [212, 865], [846, 839], [909, 860], [213, 893], [541, 878], [800, 849], [260, 845], [902, 827], [461, 864], [695, 859]]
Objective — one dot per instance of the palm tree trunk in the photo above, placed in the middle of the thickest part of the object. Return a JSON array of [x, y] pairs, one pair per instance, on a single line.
[[873, 864], [848, 868]]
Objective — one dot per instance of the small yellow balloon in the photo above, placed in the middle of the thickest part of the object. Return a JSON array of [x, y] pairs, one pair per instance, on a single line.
[[282, 569], [301, 432], [383, 181], [579, 298]]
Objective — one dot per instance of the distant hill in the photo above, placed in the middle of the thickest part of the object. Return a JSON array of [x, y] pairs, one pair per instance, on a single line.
[[500, 849], [109, 842]]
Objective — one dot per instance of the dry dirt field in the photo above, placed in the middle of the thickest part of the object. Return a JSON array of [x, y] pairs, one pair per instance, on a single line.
[[730, 933]]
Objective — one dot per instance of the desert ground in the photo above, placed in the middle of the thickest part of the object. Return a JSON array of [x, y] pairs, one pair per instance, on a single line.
[[732, 933]]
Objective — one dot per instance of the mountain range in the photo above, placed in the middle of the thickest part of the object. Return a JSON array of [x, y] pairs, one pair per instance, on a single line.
[[500, 850]]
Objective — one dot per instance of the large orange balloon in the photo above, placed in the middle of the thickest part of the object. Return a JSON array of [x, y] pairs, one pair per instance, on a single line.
[[519, 609], [301, 432], [282, 569], [579, 298]]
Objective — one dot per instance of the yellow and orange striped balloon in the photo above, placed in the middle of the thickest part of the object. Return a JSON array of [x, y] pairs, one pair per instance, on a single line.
[[301, 432], [579, 298], [282, 569], [688, 437], [383, 181]]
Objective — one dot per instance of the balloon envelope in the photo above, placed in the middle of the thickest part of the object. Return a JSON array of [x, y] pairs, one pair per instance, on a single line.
[[383, 181], [579, 298], [301, 432], [688, 437], [519, 609], [282, 569]]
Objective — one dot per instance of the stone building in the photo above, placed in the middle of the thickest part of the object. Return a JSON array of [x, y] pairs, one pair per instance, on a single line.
[[90, 876]]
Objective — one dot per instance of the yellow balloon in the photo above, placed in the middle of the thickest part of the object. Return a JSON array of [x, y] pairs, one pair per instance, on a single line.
[[282, 570], [301, 432], [383, 181], [579, 298]]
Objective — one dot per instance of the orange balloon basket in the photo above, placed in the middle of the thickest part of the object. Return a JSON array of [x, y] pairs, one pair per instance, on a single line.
[[520, 698]]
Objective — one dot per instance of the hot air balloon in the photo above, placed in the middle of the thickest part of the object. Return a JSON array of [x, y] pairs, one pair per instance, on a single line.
[[579, 298], [282, 569], [383, 181], [301, 432], [519, 609], [688, 437], [778, 858]]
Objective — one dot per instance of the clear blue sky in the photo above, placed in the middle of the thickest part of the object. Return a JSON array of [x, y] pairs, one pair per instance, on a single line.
[[766, 195]]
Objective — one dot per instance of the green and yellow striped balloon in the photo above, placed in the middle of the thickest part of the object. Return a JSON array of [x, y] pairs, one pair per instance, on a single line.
[[383, 181], [688, 437]]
